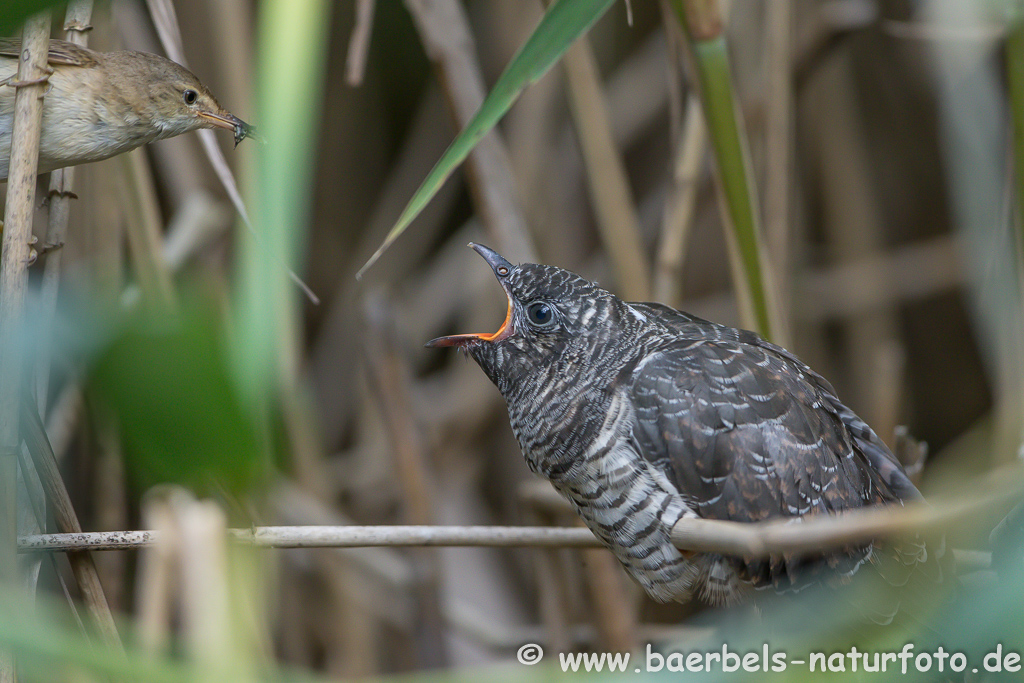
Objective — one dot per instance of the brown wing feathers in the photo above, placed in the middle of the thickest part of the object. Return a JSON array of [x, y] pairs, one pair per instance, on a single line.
[[61, 52]]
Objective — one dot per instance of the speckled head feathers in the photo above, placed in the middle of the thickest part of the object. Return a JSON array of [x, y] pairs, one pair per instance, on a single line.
[[552, 314]]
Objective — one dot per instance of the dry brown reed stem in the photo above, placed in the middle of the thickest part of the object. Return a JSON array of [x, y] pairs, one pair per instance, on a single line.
[[681, 205], [389, 378], [145, 230], [853, 223], [206, 592], [82, 566], [552, 601], [76, 26], [158, 579], [30, 85], [329, 361], [612, 610], [779, 147], [352, 536], [165, 20], [444, 31], [610, 193], [359, 43], [64, 517]]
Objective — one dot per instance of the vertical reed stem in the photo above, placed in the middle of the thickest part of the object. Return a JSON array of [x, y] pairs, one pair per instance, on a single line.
[[30, 85]]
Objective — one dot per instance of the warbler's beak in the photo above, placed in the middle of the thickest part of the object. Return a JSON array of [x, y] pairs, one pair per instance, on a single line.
[[502, 269], [241, 129]]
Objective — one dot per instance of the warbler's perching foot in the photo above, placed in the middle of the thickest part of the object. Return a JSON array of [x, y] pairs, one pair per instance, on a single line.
[[33, 255]]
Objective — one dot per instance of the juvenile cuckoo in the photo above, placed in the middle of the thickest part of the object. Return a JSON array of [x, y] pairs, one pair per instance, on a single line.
[[640, 415]]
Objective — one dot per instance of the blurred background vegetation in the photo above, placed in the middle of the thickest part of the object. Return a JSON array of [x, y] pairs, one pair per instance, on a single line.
[[881, 171]]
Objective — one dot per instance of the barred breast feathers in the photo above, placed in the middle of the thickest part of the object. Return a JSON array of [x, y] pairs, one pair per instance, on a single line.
[[628, 505]]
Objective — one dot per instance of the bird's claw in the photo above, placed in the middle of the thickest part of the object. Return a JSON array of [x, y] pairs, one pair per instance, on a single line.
[[14, 83], [34, 254]]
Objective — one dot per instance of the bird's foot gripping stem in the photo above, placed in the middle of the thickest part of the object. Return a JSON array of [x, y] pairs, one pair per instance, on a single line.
[[35, 252], [14, 83]]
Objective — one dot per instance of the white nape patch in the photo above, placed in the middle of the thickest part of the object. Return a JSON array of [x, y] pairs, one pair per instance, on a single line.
[[637, 314]]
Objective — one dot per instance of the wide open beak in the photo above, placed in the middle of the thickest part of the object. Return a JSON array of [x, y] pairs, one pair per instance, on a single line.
[[241, 129], [501, 269]]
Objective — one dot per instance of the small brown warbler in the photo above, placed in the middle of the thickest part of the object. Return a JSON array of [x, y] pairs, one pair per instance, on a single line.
[[98, 104]]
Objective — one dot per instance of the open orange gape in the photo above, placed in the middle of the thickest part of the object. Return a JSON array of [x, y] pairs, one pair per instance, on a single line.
[[502, 269]]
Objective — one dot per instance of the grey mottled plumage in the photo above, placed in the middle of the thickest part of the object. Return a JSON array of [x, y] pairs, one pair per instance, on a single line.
[[640, 415]]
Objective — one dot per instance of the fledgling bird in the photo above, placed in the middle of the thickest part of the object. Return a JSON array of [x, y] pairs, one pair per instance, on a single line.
[[100, 104], [641, 415]]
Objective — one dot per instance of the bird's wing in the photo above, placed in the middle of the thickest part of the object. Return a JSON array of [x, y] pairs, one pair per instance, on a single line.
[[61, 52], [880, 458], [746, 435]]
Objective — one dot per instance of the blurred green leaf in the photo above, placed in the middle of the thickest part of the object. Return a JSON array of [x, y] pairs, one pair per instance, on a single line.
[[14, 12], [1015, 80], [49, 648], [826, 621], [562, 24], [292, 42], [167, 379]]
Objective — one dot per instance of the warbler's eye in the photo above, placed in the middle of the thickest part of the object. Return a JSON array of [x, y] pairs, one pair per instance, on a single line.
[[190, 96], [540, 314]]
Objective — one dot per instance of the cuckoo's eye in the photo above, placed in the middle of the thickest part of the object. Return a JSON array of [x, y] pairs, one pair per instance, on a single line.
[[540, 314], [190, 96]]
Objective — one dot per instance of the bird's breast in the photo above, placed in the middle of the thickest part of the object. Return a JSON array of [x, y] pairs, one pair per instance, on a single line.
[[80, 127], [627, 504]]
